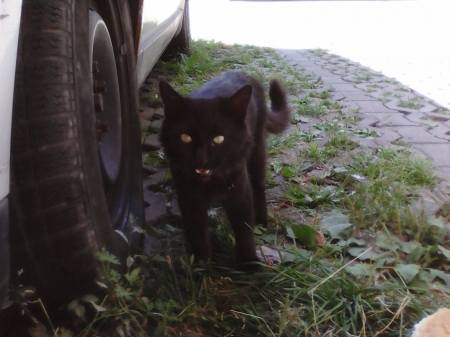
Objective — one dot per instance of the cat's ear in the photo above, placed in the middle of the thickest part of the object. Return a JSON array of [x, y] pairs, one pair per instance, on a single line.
[[173, 101], [238, 103]]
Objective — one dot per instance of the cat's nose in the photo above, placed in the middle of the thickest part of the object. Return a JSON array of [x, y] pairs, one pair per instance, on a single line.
[[201, 157]]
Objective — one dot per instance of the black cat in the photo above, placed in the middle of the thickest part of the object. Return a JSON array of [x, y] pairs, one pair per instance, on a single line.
[[215, 141]]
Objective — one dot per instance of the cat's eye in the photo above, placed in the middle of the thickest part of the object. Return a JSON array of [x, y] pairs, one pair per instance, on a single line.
[[186, 138], [218, 139]]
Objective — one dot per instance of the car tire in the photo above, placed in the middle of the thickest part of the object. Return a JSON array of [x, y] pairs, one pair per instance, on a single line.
[[181, 43], [4, 253], [75, 152]]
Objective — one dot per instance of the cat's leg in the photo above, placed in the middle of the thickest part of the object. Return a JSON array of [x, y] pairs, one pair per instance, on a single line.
[[239, 208], [257, 175], [194, 213]]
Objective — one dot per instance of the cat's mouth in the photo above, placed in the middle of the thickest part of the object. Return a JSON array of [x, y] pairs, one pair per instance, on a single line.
[[203, 172]]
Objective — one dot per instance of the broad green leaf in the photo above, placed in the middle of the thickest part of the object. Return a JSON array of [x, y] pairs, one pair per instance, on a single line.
[[124, 293], [98, 307], [101, 284], [367, 254], [444, 252], [172, 229], [288, 172], [147, 303], [438, 222], [105, 256], [351, 242], [422, 281], [389, 242], [336, 225], [71, 306], [64, 333], [443, 276], [361, 269], [305, 234], [407, 271], [135, 272], [122, 235], [130, 261], [416, 254], [120, 331], [90, 298], [79, 310], [340, 170], [384, 261], [290, 233], [408, 247]]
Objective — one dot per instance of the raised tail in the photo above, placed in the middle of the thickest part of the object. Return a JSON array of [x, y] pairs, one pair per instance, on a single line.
[[279, 116]]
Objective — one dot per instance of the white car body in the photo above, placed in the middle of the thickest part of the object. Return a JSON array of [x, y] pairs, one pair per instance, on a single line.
[[9, 31]]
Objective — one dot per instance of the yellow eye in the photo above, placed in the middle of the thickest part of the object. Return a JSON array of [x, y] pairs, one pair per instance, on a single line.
[[186, 138], [218, 139]]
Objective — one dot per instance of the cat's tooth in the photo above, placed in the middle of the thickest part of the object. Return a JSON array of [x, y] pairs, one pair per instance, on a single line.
[[198, 171]]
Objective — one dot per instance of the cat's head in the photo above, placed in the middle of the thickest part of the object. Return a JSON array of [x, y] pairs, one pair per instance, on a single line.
[[205, 138]]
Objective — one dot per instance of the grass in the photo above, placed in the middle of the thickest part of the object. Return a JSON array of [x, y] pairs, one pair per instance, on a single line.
[[347, 252]]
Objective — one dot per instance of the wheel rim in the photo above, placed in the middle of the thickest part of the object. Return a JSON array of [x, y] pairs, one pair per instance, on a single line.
[[107, 106]]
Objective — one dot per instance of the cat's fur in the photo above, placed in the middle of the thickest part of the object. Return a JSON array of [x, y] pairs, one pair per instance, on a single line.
[[232, 172]]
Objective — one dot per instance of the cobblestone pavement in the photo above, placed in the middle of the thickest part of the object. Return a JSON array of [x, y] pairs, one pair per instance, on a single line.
[[390, 109], [395, 111]]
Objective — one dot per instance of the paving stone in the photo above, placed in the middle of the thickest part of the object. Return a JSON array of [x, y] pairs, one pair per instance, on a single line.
[[438, 117], [417, 135], [146, 112], [174, 209], [367, 120], [416, 154], [156, 125], [145, 125], [441, 131], [368, 142], [383, 87], [345, 87], [159, 113], [428, 108], [152, 244], [337, 96], [304, 127], [394, 105], [444, 174], [155, 212], [425, 203], [146, 116], [438, 153], [419, 117], [321, 72], [155, 180], [151, 142], [394, 119], [372, 106], [148, 169], [387, 137], [349, 107], [333, 79], [357, 96]]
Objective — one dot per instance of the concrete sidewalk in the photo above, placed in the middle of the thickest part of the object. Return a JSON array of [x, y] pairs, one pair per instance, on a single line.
[[375, 42], [396, 112]]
